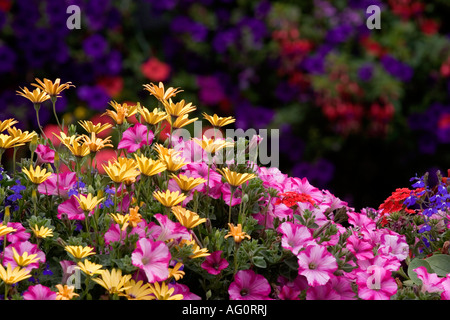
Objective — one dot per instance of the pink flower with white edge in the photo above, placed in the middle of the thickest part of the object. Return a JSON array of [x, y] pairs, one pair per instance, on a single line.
[[395, 245], [153, 258], [316, 264], [343, 286], [45, 154], [58, 184], [294, 236], [248, 285], [21, 248], [171, 230], [39, 292], [445, 284], [135, 137], [360, 248], [359, 220], [375, 283], [430, 281]]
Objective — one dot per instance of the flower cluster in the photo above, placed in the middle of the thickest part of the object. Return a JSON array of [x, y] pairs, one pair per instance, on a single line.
[[165, 218]]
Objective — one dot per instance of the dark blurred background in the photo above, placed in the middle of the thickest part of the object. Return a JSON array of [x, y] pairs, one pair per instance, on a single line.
[[360, 111]]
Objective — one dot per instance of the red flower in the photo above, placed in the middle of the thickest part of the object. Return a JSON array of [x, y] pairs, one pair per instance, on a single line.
[[291, 198], [112, 85], [394, 203], [155, 70]]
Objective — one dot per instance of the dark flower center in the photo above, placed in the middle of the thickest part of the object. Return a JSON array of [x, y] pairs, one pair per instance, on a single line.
[[244, 292]]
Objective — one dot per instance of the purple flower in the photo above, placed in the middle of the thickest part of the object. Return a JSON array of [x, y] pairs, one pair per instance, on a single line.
[[211, 91], [339, 34], [396, 68], [365, 72], [223, 40], [7, 59], [96, 97], [95, 46]]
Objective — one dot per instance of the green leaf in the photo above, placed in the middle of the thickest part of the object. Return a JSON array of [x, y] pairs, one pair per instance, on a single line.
[[416, 263], [260, 262], [440, 264]]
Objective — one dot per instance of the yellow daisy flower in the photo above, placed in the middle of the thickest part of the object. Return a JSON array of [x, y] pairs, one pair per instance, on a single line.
[[154, 117], [113, 281], [42, 232], [4, 230], [79, 252], [169, 199], [38, 175], [137, 291], [235, 179], [37, 96], [161, 291], [217, 121], [89, 202], [12, 276], [149, 167], [24, 259], [89, 267], [52, 88], [90, 127], [187, 183], [186, 217], [160, 93], [121, 169]]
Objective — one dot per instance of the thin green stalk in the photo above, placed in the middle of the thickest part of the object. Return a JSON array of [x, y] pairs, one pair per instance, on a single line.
[[53, 98], [229, 208]]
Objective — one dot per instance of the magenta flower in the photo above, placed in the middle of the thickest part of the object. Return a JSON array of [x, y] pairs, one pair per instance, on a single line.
[[68, 268], [316, 264], [114, 233], [295, 236], [171, 230], [214, 263], [248, 285], [153, 258], [71, 208], [430, 281], [395, 245], [325, 292], [135, 137], [58, 184], [375, 283], [184, 290], [362, 249], [19, 235], [21, 248], [45, 154], [39, 292]]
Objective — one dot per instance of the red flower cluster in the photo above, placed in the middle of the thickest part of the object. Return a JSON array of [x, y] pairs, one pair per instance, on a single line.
[[395, 201], [291, 198]]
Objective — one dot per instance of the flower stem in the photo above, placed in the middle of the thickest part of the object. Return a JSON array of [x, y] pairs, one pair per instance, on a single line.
[[229, 208], [54, 112]]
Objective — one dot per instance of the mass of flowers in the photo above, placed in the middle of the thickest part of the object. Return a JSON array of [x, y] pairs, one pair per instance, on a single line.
[[312, 69], [132, 210]]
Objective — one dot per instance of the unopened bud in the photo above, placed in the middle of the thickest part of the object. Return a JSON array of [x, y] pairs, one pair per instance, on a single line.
[[7, 215]]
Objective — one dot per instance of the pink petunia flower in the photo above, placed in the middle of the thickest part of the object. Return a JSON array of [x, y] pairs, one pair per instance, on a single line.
[[316, 264], [171, 230], [359, 220], [395, 245], [362, 249], [290, 290], [45, 154], [324, 292], [294, 236], [430, 281], [445, 284], [214, 263], [135, 137], [200, 170], [58, 184], [248, 285], [39, 292], [375, 283], [183, 290], [153, 258], [68, 268], [115, 234], [22, 248], [19, 235], [71, 208]]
